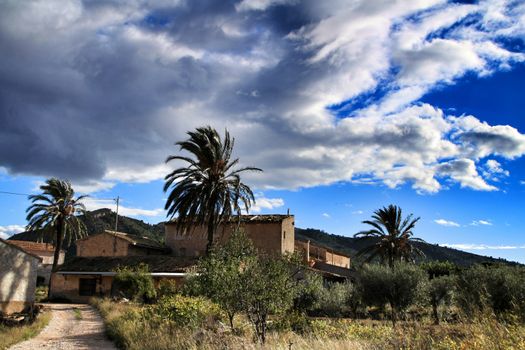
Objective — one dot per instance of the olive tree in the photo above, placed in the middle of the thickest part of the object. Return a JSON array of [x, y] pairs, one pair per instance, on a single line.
[[397, 286]]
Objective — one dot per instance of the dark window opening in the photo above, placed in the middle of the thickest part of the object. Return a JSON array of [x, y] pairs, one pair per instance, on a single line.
[[87, 286]]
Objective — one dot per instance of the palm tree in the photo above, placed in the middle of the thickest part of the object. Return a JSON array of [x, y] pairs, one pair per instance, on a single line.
[[209, 189], [391, 236], [54, 211]]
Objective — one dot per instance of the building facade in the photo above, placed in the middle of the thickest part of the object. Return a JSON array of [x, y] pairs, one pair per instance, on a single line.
[[112, 243], [46, 252], [272, 234], [18, 274]]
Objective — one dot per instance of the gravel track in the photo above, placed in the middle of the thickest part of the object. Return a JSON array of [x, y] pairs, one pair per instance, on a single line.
[[68, 331]]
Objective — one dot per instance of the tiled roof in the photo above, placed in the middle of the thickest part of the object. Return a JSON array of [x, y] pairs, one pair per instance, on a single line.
[[156, 263], [34, 246], [135, 240], [20, 249], [250, 218]]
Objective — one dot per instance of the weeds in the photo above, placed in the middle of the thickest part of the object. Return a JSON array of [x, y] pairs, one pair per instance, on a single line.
[[17, 334]]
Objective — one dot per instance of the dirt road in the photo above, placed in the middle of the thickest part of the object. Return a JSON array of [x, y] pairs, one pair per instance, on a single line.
[[71, 327]]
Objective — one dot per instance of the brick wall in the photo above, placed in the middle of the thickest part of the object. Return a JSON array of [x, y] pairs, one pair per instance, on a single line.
[[102, 244], [269, 237]]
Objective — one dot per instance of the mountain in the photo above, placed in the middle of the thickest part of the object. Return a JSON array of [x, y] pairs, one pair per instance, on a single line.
[[104, 219], [351, 246]]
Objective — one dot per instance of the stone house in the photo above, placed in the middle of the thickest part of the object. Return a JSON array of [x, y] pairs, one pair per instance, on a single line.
[[81, 278], [92, 271], [316, 253], [18, 273], [46, 252], [272, 234], [112, 243]]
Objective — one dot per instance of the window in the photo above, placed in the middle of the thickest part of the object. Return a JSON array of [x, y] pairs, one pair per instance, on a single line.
[[87, 286]]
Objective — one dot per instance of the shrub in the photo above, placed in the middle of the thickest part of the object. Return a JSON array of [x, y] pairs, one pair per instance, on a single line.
[[183, 311], [333, 301], [167, 288], [134, 283], [310, 290], [499, 289], [397, 286], [440, 290]]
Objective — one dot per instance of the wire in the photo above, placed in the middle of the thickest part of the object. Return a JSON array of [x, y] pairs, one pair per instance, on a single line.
[[29, 194], [15, 193]]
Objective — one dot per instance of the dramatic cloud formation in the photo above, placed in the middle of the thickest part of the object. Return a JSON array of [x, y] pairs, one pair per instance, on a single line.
[[448, 223], [315, 92], [9, 230]]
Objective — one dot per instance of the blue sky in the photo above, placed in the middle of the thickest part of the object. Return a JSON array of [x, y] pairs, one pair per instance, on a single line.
[[347, 107]]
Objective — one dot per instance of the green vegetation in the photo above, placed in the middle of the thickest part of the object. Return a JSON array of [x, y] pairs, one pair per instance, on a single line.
[[208, 190], [240, 280], [78, 313], [10, 335], [135, 283]]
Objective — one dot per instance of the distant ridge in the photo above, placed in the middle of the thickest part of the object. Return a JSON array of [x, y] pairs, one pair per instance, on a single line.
[[351, 246], [104, 219]]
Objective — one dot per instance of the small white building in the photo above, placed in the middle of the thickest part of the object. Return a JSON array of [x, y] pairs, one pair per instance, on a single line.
[[44, 250], [18, 273]]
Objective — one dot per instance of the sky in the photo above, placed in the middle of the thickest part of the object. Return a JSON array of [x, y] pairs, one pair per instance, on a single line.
[[347, 106]]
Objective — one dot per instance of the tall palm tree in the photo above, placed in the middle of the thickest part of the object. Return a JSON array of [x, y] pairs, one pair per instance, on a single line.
[[391, 236], [208, 190], [53, 211]]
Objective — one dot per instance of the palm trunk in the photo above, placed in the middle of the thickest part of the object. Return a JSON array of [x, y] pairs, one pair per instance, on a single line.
[[56, 256], [211, 231]]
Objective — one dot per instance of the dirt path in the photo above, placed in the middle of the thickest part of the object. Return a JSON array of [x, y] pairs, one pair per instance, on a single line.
[[70, 329]]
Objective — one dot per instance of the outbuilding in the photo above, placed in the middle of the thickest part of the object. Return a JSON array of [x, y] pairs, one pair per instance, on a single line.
[[18, 274]]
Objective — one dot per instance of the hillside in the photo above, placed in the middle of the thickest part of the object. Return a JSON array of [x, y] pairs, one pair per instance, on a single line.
[[351, 246], [104, 219]]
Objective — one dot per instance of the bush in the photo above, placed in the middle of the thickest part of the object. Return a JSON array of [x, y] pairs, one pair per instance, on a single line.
[[310, 290], [183, 311], [440, 291], [333, 301], [134, 283], [167, 288], [499, 289], [398, 286]]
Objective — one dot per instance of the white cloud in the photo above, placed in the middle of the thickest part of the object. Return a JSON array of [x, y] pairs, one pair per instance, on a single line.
[[262, 202], [270, 81], [481, 222], [9, 230], [94, 203], [448, 223], [92, 186], [468, 246], [326, 215], [494, 171], [357, 212]]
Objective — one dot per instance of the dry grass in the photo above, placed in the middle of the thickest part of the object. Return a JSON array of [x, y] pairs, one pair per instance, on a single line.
[[129, 328], [17, 334]]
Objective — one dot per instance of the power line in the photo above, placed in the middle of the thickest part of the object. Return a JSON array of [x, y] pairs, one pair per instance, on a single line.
[[30, 194], [15, 193]]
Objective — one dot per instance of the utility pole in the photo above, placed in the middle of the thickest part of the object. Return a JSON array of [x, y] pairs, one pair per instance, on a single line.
[[116, 214]]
